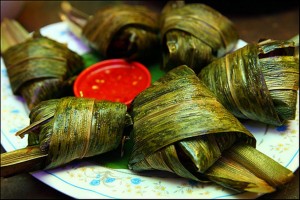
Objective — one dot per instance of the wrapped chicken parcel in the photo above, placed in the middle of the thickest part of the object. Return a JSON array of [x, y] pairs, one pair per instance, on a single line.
[[180, 127]]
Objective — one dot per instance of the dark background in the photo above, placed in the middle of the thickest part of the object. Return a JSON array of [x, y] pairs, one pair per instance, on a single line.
[[254, 20]]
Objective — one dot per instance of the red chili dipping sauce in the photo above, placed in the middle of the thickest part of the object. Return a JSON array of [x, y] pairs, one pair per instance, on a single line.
[[115, 80]]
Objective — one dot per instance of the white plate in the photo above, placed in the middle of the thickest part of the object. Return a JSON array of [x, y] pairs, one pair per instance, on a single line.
[[89, 180]]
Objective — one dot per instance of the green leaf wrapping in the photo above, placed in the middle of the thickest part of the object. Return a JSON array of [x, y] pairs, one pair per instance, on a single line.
[[74, 128], [180, 127], [257, 82], [127, 31], [244, 168], [194, 35], [39, 68]]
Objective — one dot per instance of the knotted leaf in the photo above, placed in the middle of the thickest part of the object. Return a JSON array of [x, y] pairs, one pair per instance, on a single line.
[[257, 82]]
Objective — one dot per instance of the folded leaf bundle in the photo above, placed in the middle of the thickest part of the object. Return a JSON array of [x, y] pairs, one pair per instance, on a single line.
[[180, 127], [119, 30], [194, 34], [257, 82], [41, 68], [70, 128]]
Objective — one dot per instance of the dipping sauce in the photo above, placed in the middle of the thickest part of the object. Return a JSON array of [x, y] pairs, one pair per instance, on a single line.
[[115, 80]]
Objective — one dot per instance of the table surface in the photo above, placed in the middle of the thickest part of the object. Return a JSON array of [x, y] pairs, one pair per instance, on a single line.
[[254, 20]]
